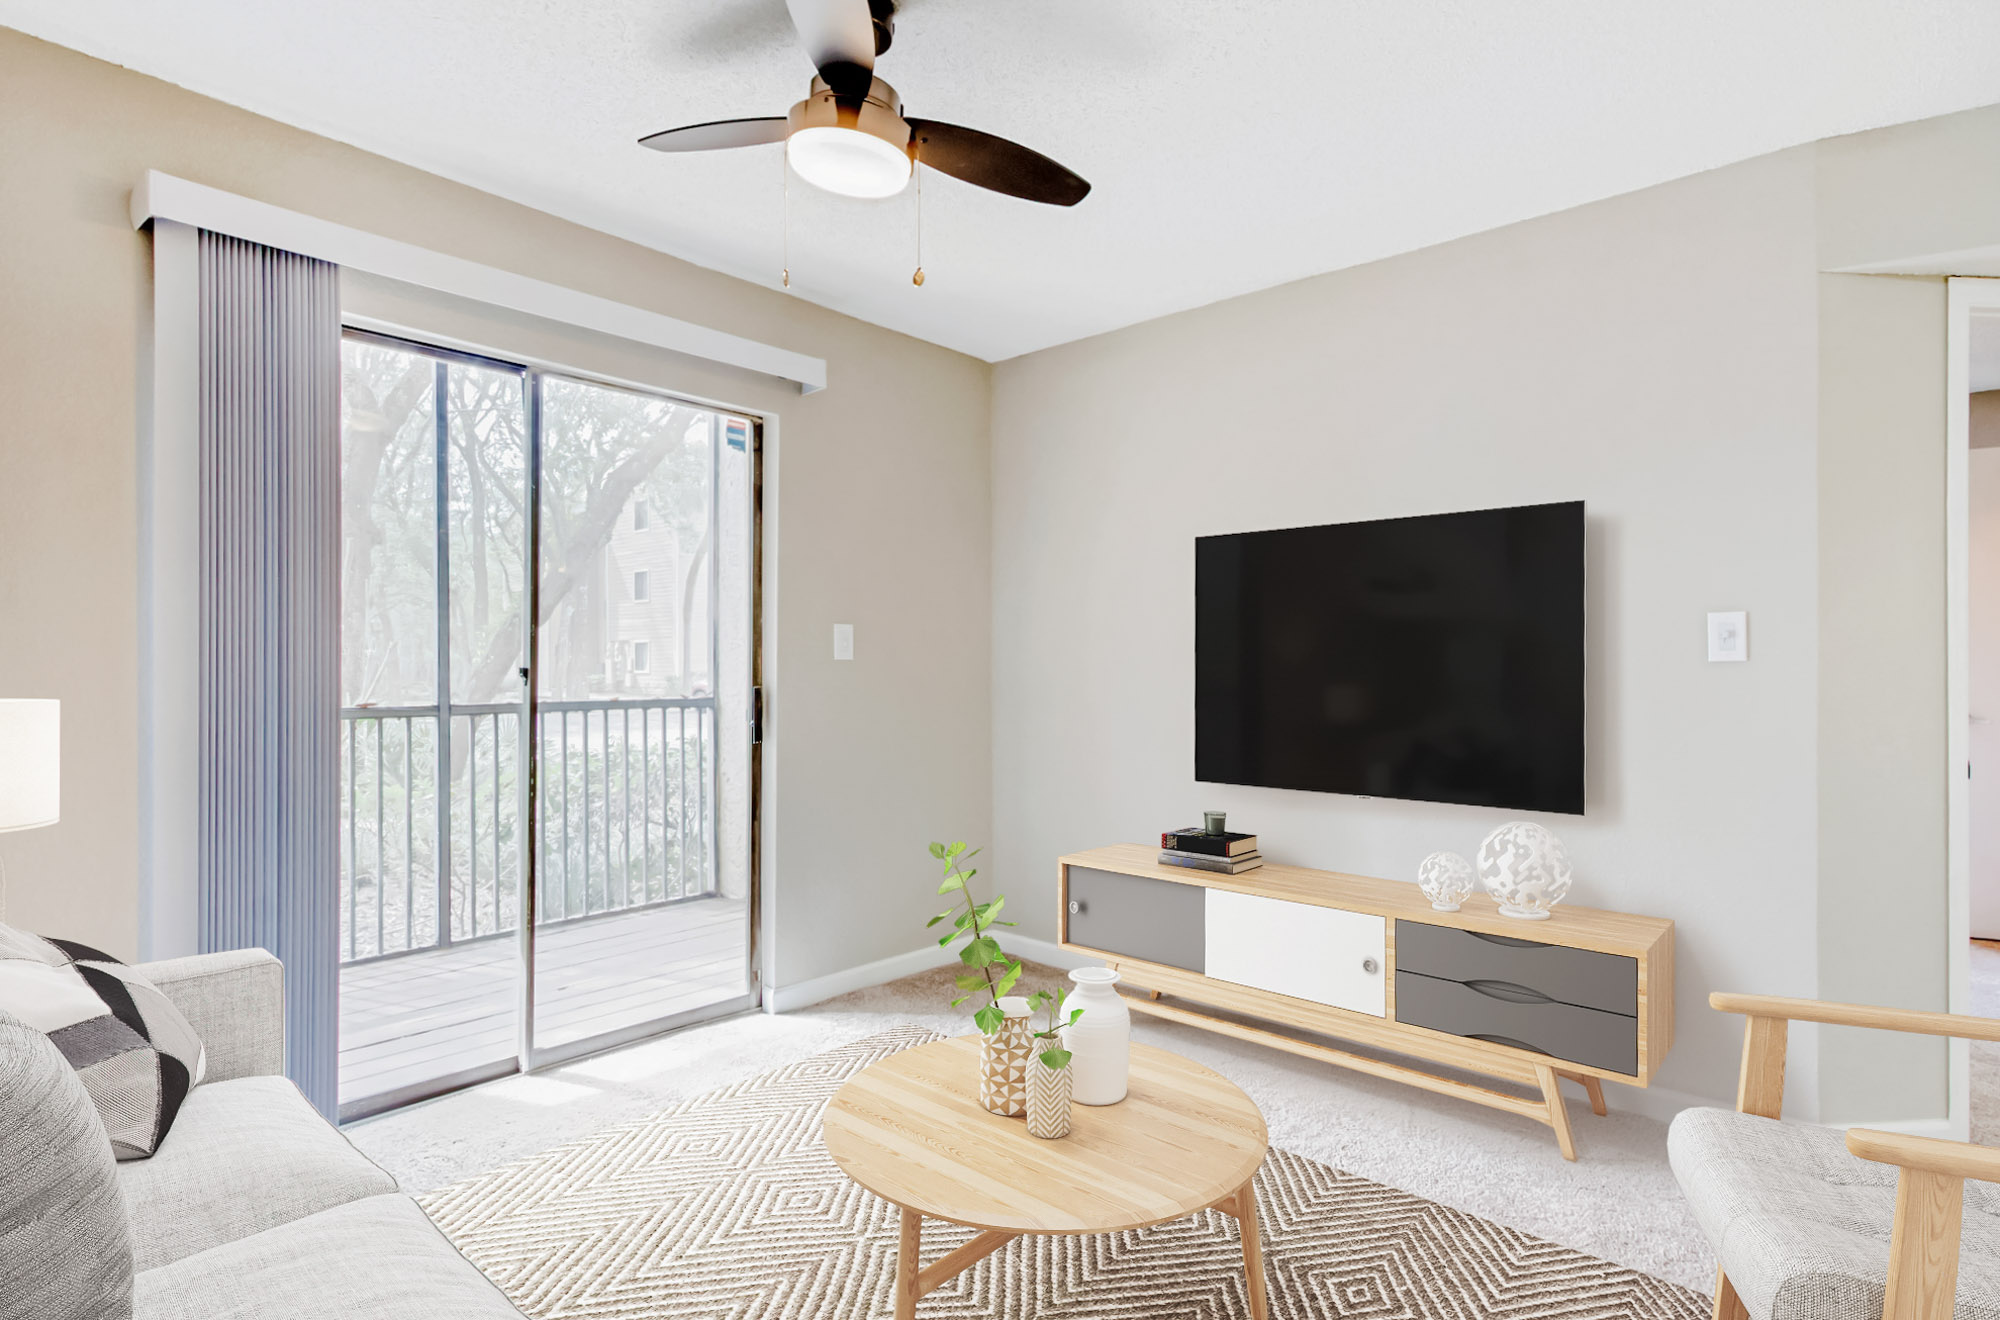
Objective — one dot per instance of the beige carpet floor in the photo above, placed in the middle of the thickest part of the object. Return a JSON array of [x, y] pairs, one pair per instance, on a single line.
[[728, 1206], [1618, 1202]]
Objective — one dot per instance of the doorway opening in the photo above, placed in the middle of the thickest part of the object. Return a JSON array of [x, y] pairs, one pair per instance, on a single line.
[[548, 588], [1973, 731]]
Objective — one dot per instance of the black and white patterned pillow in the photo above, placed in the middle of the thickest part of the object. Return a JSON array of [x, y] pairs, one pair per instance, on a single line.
[[133, 1050]]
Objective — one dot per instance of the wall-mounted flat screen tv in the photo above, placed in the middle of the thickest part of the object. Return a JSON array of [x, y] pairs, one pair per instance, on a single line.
[[1437, 658]]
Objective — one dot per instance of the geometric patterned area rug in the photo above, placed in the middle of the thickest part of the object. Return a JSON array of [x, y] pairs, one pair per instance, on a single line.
[[726, 1207]]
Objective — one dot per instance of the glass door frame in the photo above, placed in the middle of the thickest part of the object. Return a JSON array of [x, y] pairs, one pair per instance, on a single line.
[[529, 1055]]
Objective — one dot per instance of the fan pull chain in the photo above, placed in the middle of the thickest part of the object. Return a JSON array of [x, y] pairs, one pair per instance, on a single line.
[[785, 218], [918, 278]]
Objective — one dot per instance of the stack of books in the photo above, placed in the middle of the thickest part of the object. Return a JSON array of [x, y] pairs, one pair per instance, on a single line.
[[1231, 854]]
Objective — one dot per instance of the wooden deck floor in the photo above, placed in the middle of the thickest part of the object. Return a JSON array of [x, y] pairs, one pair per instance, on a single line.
[[413, 1019]]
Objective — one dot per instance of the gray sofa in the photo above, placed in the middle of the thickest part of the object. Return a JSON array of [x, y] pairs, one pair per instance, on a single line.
[[252, 1206]]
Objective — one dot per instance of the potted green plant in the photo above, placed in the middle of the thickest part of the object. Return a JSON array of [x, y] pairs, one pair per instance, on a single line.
[[989, 974], [1049, 1084]]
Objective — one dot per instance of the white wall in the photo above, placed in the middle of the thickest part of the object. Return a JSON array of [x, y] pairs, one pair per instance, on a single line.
[[1653, 355], [876, 516]]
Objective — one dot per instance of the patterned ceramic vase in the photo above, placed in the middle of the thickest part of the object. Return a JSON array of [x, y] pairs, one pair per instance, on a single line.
[[1446, 879], [1048, 1100], [1003, 1061], [1526, 868]]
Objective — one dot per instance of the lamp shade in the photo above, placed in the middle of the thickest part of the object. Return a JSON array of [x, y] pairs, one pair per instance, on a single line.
[[30, 763]]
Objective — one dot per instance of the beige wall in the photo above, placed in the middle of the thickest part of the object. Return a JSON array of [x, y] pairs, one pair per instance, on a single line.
[[1653, 355], [1749, 433], [1882, 863], [871, 759]]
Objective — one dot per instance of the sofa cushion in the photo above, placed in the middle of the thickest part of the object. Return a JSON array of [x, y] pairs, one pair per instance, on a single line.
[[1801, 1227], [380, 1259], [246, 1155], [65, 1248], [135, 1052]]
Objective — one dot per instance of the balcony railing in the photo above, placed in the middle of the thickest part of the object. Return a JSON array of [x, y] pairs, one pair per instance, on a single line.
[[626, 805]]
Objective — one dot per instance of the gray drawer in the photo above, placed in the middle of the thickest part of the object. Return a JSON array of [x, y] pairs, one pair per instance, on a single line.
[[1607, 981], [1155, 920], [1490, 1011]]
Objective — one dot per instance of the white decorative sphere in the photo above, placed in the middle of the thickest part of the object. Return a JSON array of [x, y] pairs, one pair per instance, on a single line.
[[1446, 879], [1525, 868]]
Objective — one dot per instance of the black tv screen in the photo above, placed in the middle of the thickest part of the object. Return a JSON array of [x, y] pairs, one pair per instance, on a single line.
[[1437, 658]]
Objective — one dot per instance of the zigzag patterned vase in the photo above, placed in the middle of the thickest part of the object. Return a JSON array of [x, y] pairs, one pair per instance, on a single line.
[[1003, 1061], [1048, 1100]]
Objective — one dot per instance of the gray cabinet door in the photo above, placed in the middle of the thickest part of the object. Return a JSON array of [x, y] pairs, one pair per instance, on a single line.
[[1153, 920]]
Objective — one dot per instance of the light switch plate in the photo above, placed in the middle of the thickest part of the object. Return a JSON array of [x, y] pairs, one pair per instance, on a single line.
[[1728, 636], [843, 641]]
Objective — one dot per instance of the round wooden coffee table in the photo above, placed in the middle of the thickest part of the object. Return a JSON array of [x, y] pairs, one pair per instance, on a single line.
[[911, 1130]]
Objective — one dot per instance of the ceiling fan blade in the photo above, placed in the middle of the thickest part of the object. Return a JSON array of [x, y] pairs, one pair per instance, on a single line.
[[995, 163], [719, 134], [835, 32]]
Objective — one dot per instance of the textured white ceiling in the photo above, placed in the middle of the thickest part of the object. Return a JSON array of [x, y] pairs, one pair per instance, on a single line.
[[1233, 146]]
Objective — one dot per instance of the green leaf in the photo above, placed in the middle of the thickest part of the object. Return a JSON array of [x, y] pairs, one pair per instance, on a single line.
[[989, 1018], [964, 919], [951, 882], [1007, 979], [937, 851], [982, 952], [955, 849], [987, 910], [969, 980], [969, 856], [961, 999], [1055, 1060], [936, 919], [1074, 1014]]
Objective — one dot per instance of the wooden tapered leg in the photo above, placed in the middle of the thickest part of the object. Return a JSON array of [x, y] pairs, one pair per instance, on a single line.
[[909, 1259], [1558, 1116], [1728, 1306], [1591, 1087], [1253, 1250], [1923, 1246]]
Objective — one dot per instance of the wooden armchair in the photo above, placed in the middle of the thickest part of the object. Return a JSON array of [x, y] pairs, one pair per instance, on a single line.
[[1806, 1231]]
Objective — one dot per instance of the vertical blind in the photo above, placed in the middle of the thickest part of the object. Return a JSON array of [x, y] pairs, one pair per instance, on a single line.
[[270, 630]]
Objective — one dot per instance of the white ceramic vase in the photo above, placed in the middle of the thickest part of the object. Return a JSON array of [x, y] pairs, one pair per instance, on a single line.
[[1526, 868], [1003, 1061], [1048, 1099], [1100, 1042], [1446, 879]]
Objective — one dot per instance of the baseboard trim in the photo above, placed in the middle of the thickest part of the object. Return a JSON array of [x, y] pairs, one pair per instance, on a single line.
[[801, 994]]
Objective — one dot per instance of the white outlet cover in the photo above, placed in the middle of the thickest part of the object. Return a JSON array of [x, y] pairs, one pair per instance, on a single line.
[[843, 641], [1728, 636]]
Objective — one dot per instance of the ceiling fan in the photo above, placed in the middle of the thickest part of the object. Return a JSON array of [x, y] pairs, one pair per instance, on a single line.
[[850, 136]]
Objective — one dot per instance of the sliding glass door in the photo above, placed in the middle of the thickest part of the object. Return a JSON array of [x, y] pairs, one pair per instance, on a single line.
[[465, 480]]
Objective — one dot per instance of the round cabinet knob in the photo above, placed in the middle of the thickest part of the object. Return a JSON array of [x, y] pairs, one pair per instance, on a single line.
[[1075, 906], [1370, 966]]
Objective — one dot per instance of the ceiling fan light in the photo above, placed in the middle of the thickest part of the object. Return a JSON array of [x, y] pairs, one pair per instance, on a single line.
[[848, 161]]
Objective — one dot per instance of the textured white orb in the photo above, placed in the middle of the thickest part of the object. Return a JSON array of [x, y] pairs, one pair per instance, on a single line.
[[1446, 879], [1526, 868]]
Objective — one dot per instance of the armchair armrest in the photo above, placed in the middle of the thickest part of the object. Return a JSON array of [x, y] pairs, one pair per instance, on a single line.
[[1930, 1208], [1760, 1089], [1912, 1020], [235, 1002], [1955, 1159]]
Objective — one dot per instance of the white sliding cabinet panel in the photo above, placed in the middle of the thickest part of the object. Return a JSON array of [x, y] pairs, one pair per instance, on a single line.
[[1323, 954]]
